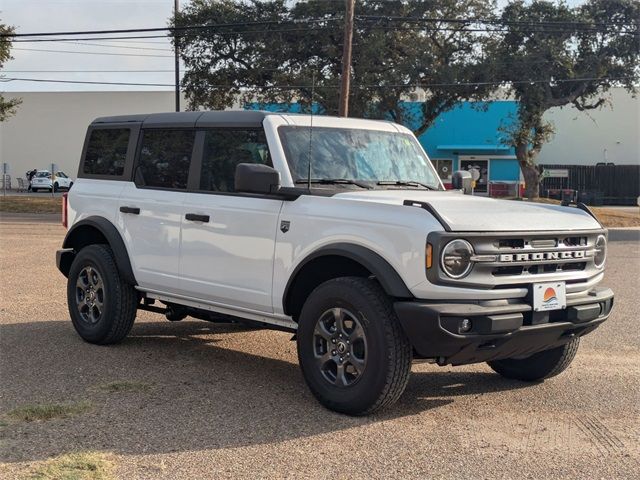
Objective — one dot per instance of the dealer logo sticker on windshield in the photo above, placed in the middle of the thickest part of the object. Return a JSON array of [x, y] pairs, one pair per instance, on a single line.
[[549, 296]]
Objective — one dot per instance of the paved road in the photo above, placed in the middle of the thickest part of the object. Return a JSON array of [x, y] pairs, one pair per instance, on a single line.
[[226, 402]]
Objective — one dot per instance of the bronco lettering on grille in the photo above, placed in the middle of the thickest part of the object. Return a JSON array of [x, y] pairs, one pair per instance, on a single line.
[[541, 256]]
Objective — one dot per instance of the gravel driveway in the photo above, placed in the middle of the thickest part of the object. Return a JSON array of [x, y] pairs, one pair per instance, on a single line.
[[223, 401]]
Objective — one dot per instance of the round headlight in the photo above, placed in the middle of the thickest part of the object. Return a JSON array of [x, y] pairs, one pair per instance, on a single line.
[[601, 251], [456, 258]]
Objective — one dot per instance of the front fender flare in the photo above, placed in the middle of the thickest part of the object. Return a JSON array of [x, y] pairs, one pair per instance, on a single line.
[[386, 275]]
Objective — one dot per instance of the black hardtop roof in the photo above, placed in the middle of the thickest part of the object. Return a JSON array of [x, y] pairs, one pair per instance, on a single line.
[[227, 118]]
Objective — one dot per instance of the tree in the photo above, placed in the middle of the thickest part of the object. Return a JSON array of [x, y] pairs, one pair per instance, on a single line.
[[279, 52], [552, 56], [7, 107]]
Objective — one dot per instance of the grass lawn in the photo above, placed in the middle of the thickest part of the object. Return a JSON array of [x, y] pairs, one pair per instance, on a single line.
[[20, 204], [609, 217], [75, 466], [48, 411]]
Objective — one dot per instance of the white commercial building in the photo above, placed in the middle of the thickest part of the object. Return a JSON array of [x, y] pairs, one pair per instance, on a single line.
[[49, 127]]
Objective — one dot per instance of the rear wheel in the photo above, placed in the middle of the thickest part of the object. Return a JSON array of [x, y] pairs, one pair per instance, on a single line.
[[56, 187], [541, 365], [354, 356], [101, 304]]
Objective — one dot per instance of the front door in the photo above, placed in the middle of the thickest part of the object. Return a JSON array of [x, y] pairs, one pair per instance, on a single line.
[[480, 172], [228, 239], [150, 210]]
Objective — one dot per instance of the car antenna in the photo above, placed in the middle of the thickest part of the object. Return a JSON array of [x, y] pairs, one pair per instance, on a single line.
[[313, 85]]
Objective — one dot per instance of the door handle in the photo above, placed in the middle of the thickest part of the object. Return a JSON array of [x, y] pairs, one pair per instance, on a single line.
[[133, 210], [194, 217]]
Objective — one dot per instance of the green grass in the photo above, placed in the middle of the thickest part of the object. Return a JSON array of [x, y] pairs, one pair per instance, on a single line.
[[75, 466], [124, 386], [48, 411], [42, 204]]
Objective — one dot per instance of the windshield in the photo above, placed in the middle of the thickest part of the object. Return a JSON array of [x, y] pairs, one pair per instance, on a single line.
[[359, 155], [43, 175]]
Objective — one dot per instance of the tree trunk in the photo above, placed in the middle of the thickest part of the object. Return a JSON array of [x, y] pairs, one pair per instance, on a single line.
[[531, 180], [530, 171]]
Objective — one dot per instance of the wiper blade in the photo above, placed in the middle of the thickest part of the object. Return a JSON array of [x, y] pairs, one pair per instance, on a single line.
[[406, 183], [333, 181]]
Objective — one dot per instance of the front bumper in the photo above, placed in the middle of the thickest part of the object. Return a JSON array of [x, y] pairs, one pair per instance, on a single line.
[[500, 329]]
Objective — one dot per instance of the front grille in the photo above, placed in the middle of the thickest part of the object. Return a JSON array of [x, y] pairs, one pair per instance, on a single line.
[[533, 255], [516, 259]]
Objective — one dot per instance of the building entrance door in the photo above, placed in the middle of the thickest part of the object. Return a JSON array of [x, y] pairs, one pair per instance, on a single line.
[[480, 171]]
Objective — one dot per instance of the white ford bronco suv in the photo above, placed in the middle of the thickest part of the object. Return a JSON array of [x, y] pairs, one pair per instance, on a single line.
[[337, 230]]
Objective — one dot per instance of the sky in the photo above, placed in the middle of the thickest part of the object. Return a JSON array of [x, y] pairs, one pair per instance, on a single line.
[[78, 15]]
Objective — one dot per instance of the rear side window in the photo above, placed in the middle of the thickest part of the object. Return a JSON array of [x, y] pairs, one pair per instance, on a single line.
[[164, 159], [226, 148], [107, 151]]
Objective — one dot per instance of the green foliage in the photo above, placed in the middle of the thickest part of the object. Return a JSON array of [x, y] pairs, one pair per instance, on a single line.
[[279, 63], [7, 107], [124, 386], [573, 57], [75, 466], [49, 411]]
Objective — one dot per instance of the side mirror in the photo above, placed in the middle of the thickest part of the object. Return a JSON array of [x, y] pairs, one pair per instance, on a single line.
[[256, 178], [462, 180]]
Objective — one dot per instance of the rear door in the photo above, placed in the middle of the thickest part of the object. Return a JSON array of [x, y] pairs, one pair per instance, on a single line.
[[150, 208], [228, 238]]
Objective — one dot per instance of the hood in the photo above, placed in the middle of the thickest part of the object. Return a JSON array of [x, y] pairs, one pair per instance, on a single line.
[[468, 213]]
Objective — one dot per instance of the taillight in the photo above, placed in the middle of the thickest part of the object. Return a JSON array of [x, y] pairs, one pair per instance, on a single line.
[[64, 210]]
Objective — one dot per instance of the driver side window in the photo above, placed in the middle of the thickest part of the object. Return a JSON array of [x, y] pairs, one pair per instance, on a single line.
[[224, 149]]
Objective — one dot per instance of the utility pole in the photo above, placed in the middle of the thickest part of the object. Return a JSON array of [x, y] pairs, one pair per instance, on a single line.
[[176, 51], [343, 110]]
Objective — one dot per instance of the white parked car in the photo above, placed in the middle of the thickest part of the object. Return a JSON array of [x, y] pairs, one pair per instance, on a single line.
[[337, 230], [42, 181]]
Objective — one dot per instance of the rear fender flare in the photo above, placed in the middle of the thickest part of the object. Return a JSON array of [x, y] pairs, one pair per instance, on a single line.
[[83, 233]]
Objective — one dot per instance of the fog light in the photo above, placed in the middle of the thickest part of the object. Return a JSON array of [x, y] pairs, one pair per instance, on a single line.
[[465, 325]]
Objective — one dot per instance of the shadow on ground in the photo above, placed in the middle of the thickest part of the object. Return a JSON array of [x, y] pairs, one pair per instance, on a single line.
[[204, 395]]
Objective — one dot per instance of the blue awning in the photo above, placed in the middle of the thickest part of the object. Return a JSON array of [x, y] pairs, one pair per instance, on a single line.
[[476, 148]]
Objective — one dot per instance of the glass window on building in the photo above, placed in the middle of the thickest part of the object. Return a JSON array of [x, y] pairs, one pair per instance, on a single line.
[[444, 167]]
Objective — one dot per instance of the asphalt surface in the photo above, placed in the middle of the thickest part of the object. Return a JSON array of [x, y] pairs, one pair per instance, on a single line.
[[228, 402]]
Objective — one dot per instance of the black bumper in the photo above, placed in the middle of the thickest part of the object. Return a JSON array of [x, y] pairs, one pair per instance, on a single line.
[[64, 259], [498, 329]]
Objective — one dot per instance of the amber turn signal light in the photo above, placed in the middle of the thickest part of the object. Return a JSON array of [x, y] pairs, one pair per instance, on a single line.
[[428, 255]]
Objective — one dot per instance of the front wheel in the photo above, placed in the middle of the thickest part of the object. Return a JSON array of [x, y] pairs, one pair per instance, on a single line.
[[541, 365], [101, 304], [56, 187], [354, 356]]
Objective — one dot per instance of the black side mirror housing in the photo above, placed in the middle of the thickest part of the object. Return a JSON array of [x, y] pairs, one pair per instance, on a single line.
[[462, 180], [256, 178]]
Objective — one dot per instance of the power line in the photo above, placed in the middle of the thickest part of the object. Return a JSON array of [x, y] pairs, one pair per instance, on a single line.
[[560, 26], [164, 29], [320, 86], [94, 53], [113, 39], [121, 46], [88, 71], [86, 82]]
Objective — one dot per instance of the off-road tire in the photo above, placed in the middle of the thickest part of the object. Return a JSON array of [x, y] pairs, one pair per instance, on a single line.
[[539, 366], [388, 351], [120, 298]]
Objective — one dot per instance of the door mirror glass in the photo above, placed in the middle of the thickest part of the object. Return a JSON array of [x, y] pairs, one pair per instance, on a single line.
[[256, 178], [462, 180]]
